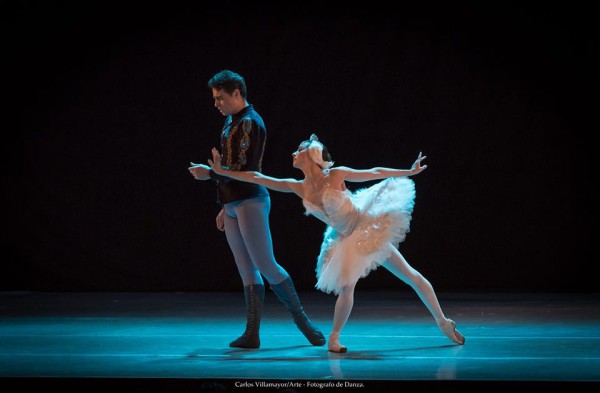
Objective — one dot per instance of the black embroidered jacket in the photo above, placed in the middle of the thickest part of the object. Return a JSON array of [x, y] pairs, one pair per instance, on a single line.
[[242, 147]]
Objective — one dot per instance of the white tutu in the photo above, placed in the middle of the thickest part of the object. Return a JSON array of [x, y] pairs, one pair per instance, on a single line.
[[363, 228]]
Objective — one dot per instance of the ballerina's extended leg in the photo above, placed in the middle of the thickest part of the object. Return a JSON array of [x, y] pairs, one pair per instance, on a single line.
[[401, 269]]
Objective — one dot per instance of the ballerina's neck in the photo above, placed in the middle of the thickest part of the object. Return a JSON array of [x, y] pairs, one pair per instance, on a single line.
[[315, 180]]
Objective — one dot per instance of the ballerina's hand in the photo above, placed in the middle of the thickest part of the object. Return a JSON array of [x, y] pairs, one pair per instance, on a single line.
[[416, 167], [215, 163], [199, 171]]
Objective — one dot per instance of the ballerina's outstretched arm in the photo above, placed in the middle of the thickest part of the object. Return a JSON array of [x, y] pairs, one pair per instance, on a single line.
[[273, 183], [361, 175]]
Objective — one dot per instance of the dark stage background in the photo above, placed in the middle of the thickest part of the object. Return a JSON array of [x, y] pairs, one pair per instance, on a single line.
[[106, 104]]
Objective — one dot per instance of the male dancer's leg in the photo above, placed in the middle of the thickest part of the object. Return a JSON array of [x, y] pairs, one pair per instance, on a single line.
[[248, 271], [254, 289], [253, 223]]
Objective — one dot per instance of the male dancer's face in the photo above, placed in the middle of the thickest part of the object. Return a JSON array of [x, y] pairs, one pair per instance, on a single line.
[[226, 103]]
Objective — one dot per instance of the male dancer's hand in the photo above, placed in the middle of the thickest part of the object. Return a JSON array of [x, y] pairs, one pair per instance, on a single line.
[[199, 171], [221, 220]]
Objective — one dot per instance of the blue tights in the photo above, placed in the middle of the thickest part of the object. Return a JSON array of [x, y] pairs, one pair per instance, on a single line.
[[249, 237]]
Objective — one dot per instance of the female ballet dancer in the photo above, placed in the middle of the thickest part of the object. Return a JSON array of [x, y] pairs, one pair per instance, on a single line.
[[364, 228]]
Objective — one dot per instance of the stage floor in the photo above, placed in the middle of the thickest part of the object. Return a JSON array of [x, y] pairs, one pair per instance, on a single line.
[[169, 338]]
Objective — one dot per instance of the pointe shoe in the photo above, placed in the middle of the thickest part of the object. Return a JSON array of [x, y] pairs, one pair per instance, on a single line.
[[448, 327], [334, 344]]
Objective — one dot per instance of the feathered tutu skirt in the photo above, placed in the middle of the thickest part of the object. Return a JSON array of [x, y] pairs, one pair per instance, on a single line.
[[384, 213]]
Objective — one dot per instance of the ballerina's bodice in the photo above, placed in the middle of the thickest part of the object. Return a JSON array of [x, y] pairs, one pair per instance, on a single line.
[[337, 209]]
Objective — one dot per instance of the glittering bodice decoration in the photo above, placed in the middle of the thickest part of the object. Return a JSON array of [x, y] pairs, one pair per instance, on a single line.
[[338, 210]]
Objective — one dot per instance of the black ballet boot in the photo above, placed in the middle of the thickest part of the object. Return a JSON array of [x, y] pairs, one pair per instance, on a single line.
[[286, 293], [255, 300]]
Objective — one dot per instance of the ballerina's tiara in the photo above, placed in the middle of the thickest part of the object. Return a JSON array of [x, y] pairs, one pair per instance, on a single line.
[[315, 150]]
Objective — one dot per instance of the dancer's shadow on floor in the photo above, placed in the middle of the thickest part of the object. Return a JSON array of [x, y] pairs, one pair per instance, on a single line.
[[300, 352], [380, 354], [287, 353]]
